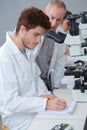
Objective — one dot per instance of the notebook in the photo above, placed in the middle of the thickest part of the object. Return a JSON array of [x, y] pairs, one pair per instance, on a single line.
[[68, 110]]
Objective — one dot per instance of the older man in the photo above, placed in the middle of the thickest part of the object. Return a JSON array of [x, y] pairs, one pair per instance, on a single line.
[[55, 10]]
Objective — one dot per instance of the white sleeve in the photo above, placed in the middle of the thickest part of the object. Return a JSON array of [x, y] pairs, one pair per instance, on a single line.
[[59, 71], [59, 66], [11, 99], [42, 89]]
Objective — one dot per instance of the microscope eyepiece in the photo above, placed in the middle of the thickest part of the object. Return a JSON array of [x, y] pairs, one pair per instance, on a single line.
[[83, 17], [57, 37], [74, 26]]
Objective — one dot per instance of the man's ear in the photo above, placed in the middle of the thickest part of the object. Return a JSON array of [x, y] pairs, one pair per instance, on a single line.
[[22, 28], [44, 11]]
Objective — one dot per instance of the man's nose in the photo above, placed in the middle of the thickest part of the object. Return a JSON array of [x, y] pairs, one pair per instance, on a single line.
[[38, 39], [54, 23]]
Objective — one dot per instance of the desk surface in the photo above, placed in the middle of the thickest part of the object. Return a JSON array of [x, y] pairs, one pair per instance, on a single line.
[[46, 124], [47, 121]]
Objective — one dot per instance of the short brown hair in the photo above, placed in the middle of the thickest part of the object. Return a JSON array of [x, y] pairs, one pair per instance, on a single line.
[[31, 18]]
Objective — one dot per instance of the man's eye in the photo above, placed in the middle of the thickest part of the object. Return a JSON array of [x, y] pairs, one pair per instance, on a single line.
[[59, 20], [35, 34], [52, 17]]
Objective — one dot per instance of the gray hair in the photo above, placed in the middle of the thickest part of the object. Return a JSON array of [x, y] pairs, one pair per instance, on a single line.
[[58, 2]]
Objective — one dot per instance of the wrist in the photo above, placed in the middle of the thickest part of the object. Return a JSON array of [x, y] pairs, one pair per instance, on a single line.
[[47, 104]]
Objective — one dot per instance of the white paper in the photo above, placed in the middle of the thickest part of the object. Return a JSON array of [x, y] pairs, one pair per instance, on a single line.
[[68, 110]]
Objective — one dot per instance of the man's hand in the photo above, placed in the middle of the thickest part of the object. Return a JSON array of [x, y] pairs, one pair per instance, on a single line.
[[48, 96], [56, 104]]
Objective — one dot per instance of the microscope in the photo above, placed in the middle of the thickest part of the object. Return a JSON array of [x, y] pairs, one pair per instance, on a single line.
[[58, 37], [73, 39], [76, 39], [83, 24], [83, 31], [77, 48], [79, 71]]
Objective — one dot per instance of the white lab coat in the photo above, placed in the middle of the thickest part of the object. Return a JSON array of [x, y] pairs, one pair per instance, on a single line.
[[20, 87], [58, 62]]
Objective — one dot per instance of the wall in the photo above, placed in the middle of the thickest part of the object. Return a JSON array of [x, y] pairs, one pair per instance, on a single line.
[[10, 10]]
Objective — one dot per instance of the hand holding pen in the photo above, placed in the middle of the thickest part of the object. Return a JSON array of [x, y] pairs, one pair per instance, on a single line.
[[53, 102], [56, 104]]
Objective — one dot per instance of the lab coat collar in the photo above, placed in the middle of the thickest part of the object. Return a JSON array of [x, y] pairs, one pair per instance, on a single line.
[[16, 50], [10, 43], [13, 46]]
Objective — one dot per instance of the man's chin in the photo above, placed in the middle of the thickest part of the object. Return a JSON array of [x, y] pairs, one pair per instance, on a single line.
[[52, 29], [31, 48]]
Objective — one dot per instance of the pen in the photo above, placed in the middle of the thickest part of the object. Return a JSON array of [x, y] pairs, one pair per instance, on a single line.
[[53, 94]]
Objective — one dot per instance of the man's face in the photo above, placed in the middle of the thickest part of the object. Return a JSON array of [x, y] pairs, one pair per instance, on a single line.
[[32, 37], [55, 14]]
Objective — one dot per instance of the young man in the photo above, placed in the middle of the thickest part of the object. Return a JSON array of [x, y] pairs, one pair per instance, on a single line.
[[22, 92], [55, 10]]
